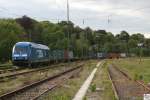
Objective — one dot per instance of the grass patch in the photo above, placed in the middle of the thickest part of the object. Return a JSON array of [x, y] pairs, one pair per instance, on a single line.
[[93, 87], [138, 71]]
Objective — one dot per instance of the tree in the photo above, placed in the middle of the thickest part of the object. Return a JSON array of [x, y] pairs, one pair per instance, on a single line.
[[147, 43], [124, 36], [89, 35], [27, 24], [10, 33], [139, 37]]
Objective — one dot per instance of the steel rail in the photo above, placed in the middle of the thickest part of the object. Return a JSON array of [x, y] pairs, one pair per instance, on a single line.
[[12, 94]]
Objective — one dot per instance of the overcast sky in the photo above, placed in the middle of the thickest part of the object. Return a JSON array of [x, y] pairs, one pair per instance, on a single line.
[[130, 15]]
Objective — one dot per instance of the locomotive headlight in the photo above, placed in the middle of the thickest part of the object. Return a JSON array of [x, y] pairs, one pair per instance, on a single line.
[[25, 56]]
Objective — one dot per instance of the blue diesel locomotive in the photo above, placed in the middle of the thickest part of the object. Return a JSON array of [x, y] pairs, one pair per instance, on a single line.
[[29, 53]]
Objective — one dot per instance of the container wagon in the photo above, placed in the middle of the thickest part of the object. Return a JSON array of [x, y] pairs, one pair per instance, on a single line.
[[28, 53]]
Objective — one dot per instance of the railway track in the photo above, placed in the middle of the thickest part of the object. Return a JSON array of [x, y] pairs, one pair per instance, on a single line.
[[124, 86], [23, 71], [8, 68], [16, 74], [5, 66], [35, 90]]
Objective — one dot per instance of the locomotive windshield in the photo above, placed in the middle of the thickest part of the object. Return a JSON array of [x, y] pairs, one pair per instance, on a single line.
[[21, 50]]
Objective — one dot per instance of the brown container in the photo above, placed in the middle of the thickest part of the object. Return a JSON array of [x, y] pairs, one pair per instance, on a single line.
[[113, 55], [66, 54]]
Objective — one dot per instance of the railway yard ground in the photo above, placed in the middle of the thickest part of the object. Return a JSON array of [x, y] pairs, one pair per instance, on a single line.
[[68, 89], [130, 78], [101, 87], [11, 83], [123, 79], [136, 69]]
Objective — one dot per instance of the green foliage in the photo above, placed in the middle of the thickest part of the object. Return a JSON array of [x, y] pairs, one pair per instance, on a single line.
[[65, 35], [93, 88], [141, 77], [136, 77], [10, 33], [85, 98]]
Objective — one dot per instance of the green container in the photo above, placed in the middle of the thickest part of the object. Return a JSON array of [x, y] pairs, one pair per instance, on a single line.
[[56, 55]]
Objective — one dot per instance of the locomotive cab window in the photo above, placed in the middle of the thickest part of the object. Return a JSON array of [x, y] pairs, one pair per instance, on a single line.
[[21, 50]]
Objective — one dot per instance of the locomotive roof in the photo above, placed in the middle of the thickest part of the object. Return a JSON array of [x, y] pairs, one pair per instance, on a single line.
[[35, 45]]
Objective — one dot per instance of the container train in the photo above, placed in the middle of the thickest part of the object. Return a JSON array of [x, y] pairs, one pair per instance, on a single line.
[[101, 55], [28, 53]]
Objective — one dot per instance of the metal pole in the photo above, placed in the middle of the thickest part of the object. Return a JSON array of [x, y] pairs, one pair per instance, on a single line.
[[68, 26], [140, 54], [68, 11], [84, 54]]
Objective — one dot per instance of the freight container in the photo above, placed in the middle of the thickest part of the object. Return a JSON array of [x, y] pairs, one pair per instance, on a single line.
[[60, 54], [66, 55], [71, 55], [113, 55], [101, 55], [123, 55], [92, 55]]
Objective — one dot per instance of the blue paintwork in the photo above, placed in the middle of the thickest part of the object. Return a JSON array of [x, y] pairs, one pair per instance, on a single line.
[[28, 52]]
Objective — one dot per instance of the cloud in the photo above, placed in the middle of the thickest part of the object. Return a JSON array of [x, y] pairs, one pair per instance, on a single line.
[[129, 15]]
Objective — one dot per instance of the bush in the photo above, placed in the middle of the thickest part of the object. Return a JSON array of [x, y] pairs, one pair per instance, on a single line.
[[93, 87], [138, 77]]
